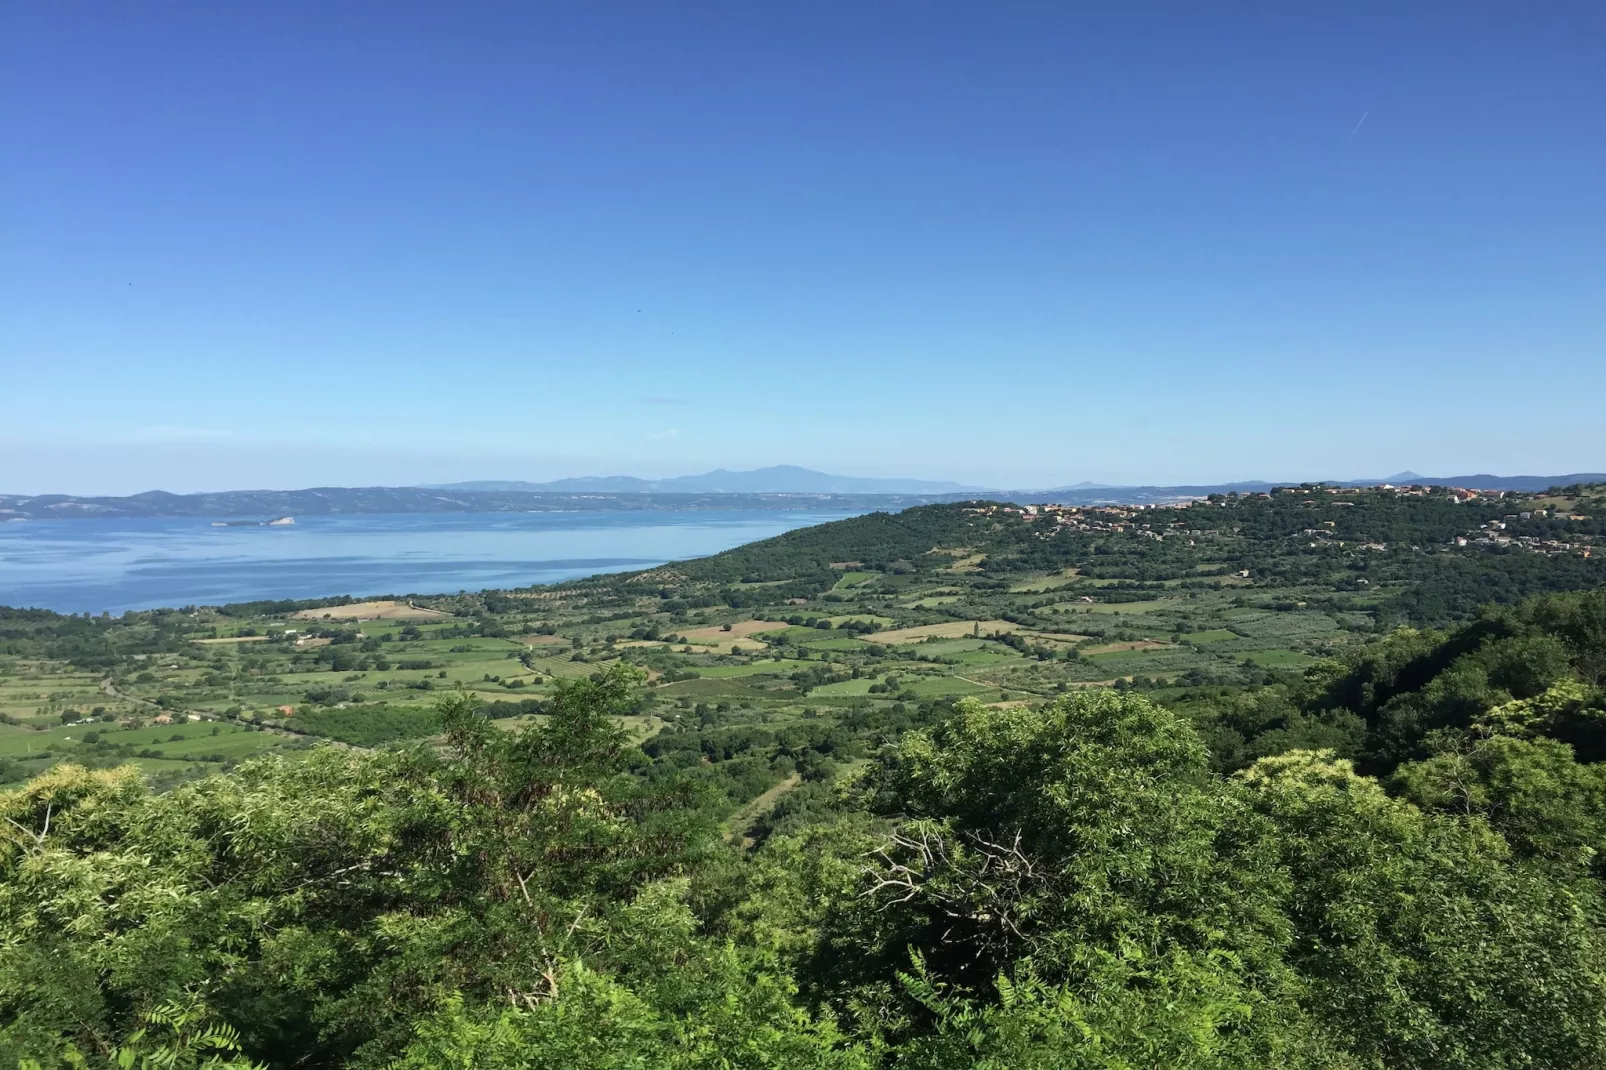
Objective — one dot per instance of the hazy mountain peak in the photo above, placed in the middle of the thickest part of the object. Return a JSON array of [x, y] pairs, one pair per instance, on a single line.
[[776, 479]]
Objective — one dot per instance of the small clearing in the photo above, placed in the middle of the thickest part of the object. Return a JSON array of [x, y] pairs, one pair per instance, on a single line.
[[861, 618], [1056, 579], [1137, 644], [742, 633], [967, 564], [953, 629], [1054, 639], [744, 818], [383, 609], [739, 630]]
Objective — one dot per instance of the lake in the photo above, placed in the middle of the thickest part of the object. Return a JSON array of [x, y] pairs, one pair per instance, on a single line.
[[105, 565]]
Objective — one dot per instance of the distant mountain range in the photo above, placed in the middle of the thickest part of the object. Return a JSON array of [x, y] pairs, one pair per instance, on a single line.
[[781, 487], [790, 479], [1488, 482], [337, 501], [778, 479]]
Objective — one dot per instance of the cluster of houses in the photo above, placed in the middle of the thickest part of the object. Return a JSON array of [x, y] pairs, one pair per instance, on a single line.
[[1408, 490], [1130, 519], [1105, 519], [169, 718], [1493, 535], [1089, 519]]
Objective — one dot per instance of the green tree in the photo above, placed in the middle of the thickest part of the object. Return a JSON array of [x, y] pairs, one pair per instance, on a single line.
[[1419, 939], [1547, 805], [322, 909], [1085, 855]]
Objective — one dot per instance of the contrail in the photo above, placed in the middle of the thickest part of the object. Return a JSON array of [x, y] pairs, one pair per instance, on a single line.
[[1357, 129]]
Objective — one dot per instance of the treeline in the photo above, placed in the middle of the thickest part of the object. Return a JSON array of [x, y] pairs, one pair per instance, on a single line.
[[93, 643]]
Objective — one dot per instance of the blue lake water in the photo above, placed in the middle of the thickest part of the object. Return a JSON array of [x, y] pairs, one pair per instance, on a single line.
[[95, 566]]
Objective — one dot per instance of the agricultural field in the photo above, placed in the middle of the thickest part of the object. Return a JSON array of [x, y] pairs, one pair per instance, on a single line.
[[780, 662]]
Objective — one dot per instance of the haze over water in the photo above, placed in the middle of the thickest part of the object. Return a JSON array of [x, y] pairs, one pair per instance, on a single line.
[[113, 565]]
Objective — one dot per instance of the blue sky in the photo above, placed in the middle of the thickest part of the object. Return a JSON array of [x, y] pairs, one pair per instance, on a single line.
[[307, 243]]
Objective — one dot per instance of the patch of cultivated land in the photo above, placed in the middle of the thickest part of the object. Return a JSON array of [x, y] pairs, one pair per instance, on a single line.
[[954, 629], [1133, 644], [1281, 659], [1057, 640], [967, 564], [379, 610], [1044, 583], [1134, 608], [742, 633], [753, 668]]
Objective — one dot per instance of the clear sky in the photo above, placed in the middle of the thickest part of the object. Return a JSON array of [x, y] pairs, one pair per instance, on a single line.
[[286, 244]]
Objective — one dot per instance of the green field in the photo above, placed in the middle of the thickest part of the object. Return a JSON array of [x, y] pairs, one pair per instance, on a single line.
[[754, 668], [840, 643], [845, 687], [943, 686], [1281, 659]]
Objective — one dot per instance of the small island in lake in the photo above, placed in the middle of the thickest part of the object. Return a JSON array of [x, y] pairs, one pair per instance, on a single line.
[[277, 522]]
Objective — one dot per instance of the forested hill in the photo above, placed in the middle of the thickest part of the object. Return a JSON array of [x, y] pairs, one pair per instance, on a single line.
[[1435, 555]]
